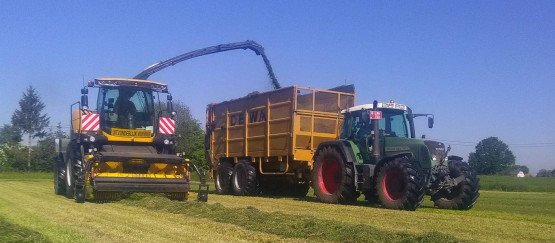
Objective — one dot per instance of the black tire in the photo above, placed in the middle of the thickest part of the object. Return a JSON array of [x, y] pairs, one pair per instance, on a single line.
[[400, 185], [244, 179], [59, 181], [223, 178], [332, 178], [69, 177], [465, 194]]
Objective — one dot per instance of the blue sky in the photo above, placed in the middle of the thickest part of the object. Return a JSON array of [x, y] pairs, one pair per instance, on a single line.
[[484, 68]]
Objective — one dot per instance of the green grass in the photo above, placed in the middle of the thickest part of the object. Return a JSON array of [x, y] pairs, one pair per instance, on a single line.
[[515, 184], [29, 211], [22, 176]]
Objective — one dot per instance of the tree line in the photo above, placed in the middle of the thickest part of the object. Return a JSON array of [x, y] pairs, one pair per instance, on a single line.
[[30, 122]]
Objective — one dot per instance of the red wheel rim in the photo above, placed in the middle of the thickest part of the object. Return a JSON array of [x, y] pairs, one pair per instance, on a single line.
[[329, 176], [393, 184]]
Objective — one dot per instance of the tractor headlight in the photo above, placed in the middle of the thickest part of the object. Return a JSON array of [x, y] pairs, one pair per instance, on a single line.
[[92, 139], [166, 141]]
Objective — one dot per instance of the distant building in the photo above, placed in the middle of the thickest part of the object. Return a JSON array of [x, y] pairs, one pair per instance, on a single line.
[[520, 174]]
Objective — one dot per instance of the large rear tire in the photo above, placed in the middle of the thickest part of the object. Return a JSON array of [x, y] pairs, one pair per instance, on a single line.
[[223, 178], [244, 179], [464, 195], [332, 178], [400, 184], [59, 182], [69, 178]]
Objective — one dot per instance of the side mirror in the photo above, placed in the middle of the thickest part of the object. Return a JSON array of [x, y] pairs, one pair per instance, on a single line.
[[169, 108], [84, 98], [430, 122], [365, 116]]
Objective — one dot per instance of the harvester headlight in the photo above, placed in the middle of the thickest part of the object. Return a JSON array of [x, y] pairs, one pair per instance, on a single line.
[[166, 141], [92, 139]]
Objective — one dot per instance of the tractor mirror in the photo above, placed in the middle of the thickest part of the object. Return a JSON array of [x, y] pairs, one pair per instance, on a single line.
[[84, 101], [430, 122], [365, 116]]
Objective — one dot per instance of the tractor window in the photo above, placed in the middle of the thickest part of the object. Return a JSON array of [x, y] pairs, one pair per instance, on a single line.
[[394, 124]]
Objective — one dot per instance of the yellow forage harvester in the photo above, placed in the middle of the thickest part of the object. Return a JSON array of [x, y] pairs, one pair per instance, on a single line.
[[125, 145]]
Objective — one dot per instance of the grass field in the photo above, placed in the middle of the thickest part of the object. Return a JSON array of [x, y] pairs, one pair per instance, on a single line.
[[30, 212], [515, 184]]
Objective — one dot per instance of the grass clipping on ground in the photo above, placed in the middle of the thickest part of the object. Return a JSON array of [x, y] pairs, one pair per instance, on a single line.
[[289, 226], [14, 233]]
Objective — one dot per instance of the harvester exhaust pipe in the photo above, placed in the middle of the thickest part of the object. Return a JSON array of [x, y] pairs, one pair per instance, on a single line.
[[376, 151]]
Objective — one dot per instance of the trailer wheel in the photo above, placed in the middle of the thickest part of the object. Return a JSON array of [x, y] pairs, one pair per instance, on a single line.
[[464, 195], [332, 178], [223, 178], [245, 181], [59, 182], [400, 185]]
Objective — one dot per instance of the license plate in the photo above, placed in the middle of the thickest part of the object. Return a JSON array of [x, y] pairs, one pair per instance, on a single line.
[[131, 133]]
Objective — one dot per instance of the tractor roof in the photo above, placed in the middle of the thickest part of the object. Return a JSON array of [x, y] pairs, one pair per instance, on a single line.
[[388, 105], [129, 82]]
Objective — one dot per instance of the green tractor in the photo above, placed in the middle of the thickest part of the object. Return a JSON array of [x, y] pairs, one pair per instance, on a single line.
[[378, 155]]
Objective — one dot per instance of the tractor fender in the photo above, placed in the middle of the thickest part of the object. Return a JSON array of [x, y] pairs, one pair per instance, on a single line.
[[343, 146]]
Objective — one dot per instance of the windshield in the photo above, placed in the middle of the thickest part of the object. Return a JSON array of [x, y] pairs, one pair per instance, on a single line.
[[126, 108], [394, 123]]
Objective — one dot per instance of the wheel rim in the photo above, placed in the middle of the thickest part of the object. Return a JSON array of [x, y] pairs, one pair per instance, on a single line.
[[393, 184], [329, 176], [68, 173]]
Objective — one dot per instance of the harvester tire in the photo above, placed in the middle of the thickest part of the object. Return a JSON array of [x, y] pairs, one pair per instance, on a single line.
[[464, 195], [245, 181], [223, 178], [400, 184], [333, 178], [70, 178], [59, 182]]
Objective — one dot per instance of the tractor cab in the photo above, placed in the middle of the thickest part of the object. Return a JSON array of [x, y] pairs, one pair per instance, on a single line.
[[127, 108], [394, 125]]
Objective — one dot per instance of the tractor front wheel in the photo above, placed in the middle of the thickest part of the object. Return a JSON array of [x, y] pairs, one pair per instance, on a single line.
[[332, 178], [464, 195], [400, 185]]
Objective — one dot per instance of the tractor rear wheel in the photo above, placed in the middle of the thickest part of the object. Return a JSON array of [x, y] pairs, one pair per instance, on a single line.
[[223, 177], [464, 195], [400, 185], [332, 178], [244, 179], [59, 182], [69, 179]]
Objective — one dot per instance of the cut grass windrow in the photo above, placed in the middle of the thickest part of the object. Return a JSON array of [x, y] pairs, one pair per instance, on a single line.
[[14, 233], [290, 226]]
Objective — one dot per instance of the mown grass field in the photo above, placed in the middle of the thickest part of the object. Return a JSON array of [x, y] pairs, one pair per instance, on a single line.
[[29, 211]]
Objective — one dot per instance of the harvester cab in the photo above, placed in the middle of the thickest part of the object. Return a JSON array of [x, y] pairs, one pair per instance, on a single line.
[[126, 145], [378, 155]]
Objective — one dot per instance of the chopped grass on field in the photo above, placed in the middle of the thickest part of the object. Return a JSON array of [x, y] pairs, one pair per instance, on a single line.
[[290, 226], [25, 176], [515, 184], [14, 233]]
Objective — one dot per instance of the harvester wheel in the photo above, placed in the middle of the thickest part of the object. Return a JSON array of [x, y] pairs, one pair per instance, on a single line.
[[59, 182], [69, 180], [245, 181], [464, 195], [223, 177], [400, 184], [332, 178]]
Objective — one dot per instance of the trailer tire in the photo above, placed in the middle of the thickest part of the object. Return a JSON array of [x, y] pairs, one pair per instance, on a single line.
[[333, 178], [223, 178], [244, 179], [59, 182], [400, 184], [464, 195]]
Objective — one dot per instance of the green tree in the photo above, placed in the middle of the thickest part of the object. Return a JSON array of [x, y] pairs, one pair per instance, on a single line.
[[190, 136], [492, 156], [9, 134], [29, 118]]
